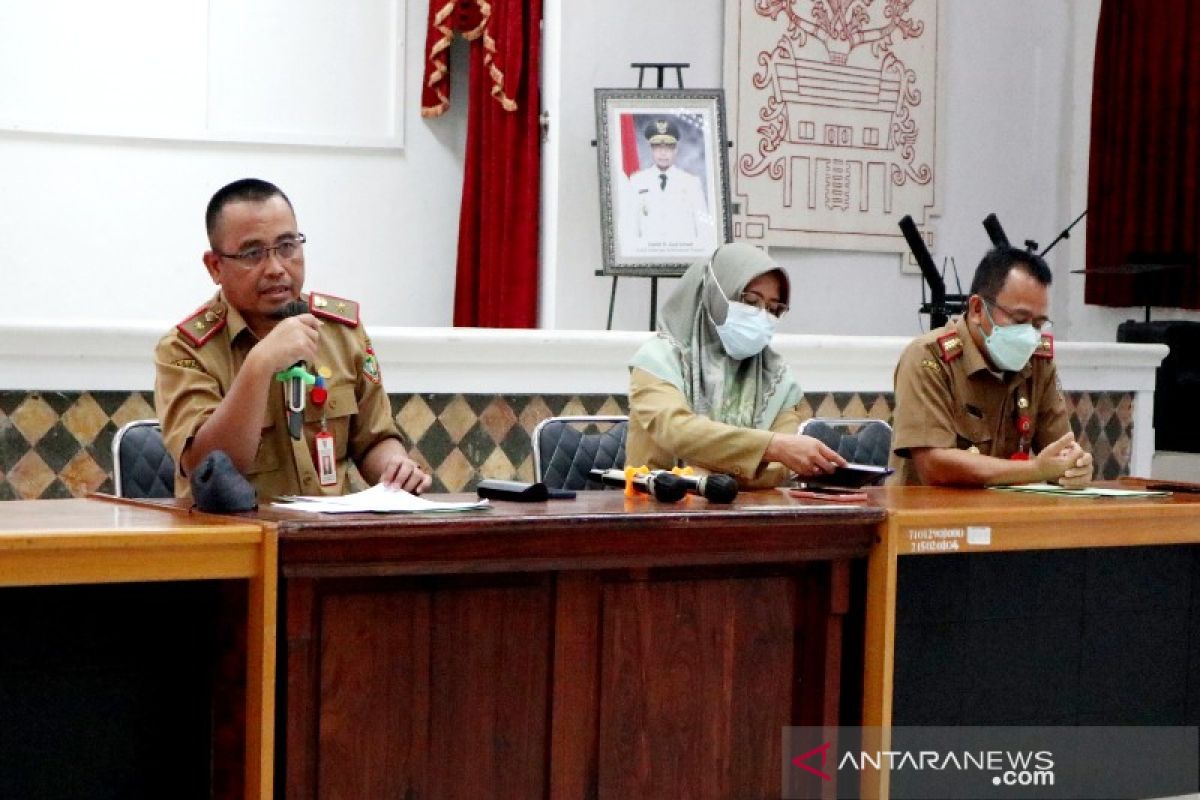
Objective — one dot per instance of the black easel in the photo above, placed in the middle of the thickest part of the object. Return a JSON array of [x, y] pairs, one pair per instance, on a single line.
[[641, 68]]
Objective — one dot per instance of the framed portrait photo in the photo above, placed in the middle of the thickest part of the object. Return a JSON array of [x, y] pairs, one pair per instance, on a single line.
[[664, 178]]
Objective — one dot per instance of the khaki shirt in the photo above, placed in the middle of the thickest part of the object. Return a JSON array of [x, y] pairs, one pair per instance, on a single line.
[[192, 378], [663, 431], [948, 396]]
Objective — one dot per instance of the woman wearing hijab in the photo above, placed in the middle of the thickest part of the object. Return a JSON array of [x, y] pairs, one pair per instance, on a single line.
[[709, 392]]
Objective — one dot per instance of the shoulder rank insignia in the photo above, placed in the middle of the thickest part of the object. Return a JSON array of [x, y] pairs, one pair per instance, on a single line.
[[1045, 348], [950, 345], [338, 309], [202, 325]]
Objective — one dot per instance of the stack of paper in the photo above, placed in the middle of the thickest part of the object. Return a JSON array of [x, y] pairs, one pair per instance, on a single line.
[[378, 499], [1087, 491]]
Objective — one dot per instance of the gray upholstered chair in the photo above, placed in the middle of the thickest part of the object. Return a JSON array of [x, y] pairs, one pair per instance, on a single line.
[[142, 467], [566, 449], [859, 441]]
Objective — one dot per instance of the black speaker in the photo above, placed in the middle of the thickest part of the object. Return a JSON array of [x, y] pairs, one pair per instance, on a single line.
[[1177, 387]]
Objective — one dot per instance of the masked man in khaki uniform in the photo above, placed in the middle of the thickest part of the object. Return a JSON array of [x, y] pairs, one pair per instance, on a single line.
[[978, 401], [216, 386]]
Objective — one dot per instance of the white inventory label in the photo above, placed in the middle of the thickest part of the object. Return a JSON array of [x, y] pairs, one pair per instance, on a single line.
[[979, 535], [935, 540]]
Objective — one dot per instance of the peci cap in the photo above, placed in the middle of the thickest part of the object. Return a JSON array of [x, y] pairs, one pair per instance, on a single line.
[[662, 131]]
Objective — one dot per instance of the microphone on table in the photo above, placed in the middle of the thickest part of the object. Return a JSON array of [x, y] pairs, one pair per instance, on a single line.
[[660, 485], [668, 486], [296, 377], [715, 488]]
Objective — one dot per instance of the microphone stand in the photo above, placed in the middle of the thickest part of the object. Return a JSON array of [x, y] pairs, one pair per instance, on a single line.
[[1066, 234]]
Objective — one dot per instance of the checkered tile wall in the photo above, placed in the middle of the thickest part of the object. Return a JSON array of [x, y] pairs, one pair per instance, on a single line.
[[58, 444]]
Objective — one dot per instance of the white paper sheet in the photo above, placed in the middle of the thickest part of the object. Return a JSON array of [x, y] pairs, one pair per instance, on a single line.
[[378, 499]]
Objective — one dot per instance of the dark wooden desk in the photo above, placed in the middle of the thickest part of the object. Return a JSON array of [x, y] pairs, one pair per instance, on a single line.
[[1033, 610], [603, 647]]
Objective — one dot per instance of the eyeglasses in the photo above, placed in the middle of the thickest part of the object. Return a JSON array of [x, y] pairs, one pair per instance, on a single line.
[[1040, 323], [755, 299], [288, 250]]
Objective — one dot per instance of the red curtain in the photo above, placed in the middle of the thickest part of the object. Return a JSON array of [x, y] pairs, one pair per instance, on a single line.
[[497, 279], [1144, 175]]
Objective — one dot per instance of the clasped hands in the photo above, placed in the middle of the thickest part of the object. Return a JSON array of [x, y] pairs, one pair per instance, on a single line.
[[1065, 462]]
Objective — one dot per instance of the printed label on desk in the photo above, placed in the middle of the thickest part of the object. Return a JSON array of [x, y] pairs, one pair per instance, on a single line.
[[935, 540], [979, 535]]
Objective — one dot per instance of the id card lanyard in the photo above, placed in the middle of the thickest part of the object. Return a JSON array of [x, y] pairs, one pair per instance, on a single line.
[[326, 452]]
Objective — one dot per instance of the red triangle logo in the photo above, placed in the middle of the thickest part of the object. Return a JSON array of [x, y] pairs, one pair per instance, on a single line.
[[823, 750]]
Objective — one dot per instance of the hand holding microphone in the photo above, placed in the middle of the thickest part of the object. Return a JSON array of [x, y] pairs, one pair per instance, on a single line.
[[296, 378]]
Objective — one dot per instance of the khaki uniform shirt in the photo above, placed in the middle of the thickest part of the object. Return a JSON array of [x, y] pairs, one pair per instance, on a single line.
[[196, 369], [948, 396], [664, 431]]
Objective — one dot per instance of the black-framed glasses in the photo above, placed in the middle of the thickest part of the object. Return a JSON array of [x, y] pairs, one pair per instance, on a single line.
[[287, 250], [755, 299], [1038, 322]]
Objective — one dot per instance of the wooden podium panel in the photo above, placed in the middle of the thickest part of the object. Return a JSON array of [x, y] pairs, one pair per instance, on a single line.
[[1001, 608], [95, 648], [604, 647]]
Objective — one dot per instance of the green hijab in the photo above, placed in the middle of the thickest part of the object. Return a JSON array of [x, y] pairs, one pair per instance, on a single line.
[[687, 352]]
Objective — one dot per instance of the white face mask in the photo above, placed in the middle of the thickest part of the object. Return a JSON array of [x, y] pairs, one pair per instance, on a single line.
[[746, 329], [1010, 346]]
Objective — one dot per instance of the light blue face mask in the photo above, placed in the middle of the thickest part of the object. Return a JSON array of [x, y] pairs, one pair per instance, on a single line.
[[747, 330], [1010, 346]]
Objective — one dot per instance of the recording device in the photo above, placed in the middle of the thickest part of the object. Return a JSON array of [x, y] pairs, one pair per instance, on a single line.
[[294, 388], [219, 488], [660, 485], [940, 305], [671, 487]]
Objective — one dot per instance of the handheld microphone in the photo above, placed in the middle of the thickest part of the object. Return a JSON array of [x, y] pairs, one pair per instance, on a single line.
[[715, 488], [295, 393], [660, 485]]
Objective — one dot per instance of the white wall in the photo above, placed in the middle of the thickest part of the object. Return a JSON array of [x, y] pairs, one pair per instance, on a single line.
[[112, 229], [1016, 104]]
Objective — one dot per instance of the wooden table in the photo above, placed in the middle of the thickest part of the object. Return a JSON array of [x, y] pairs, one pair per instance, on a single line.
[[924, 521], [106, 541], [603, 647]]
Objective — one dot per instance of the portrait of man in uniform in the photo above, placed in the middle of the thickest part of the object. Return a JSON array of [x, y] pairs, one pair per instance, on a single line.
[[665, 205], [663, 178]]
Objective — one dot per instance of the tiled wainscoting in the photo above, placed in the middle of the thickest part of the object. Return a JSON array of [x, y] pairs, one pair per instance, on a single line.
[[58, 444]]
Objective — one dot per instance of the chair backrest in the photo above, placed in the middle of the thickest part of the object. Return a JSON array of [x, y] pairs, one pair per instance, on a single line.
[[859, 441], [565, 449], [142, 467]]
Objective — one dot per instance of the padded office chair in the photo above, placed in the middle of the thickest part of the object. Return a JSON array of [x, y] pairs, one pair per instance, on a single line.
[[142, 467], [565, 449], [859, 441]]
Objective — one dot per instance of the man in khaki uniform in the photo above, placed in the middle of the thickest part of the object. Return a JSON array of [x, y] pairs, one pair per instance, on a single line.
[[978, 401], [216, 388]]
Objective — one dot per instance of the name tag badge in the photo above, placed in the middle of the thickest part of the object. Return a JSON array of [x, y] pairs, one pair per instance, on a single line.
[[326, 460]]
